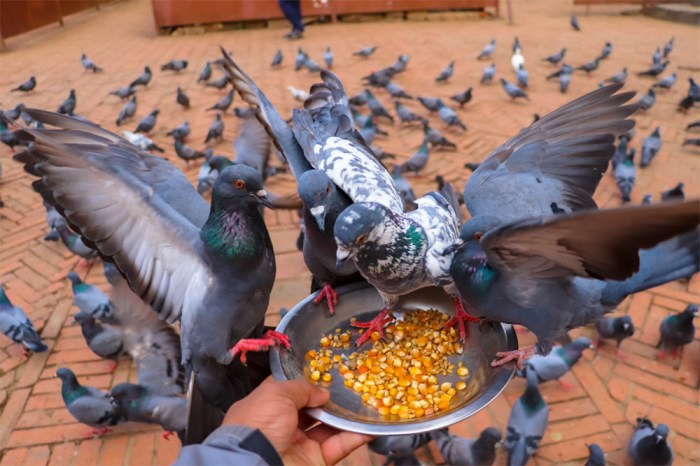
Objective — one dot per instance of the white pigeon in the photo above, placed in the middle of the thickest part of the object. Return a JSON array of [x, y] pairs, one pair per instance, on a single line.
[[517, 60], [298, 94]]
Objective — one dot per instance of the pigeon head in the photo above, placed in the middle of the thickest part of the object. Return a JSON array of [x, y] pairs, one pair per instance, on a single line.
[[478, 226], [358, 225], [596, 457], [317, 192], [74, 278], [625, 325], [504, 81], [661, 433], [67, 376], [692, 309], [239, 183], [128, 395], [490, 435], [580, 344]]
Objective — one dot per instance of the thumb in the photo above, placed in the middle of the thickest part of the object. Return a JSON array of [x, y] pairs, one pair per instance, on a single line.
[[303, 394]]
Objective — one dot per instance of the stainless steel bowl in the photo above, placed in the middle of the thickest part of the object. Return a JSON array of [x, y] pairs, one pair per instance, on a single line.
[[307, 322]]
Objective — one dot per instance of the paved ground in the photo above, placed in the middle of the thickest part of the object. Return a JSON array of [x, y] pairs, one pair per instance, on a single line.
[[608, 393]]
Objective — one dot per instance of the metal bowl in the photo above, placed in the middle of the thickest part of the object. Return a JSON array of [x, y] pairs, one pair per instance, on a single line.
[[307, 322]]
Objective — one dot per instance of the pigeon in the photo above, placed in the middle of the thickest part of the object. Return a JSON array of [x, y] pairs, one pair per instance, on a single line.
[[195, 280], [418, 160], [15, 324], [527, 422], [494, 284], [620, 154], [312, 65], [365, 52], [124, 92], [88, 405], [557, 57], [381, 154], [144, 79], [677, 330], [141, 141], [449, 117], [378, 78], [300, 59], [405, 114], [67, 107], [277, 59], [182, 98], [650, 147], [399, 65], [298, 94], [467, 452], [147, 123], [187, 153], [668, 46], [396, 91], [607, 50], [174, 65], [138, 403], [647, 100], [104, 340], [463, 98], [564, 69], [15, 113], [590, 66], [522, 77], [516, 44], [74, 243], [369, 130], [404, 187], [488, 50], [691, 142], [559, 361], [435, 138], [647, 199], [596, 457], [615, 328], [223, 103], [656, 57], [89, 65], [655, 70], [26, 86], [488, 74], [430, 103], [686, 103], [252, 146], [219, 84], [517, 60], [127, 111], [447, 73], [564, 81], [512, 90], [205, 74], [625, 174], [399, 450], [376, 107], [649, 444], [628, 136], [666, 82], [618, 78], [328, 58], [92, 301], [674, 194], [574, 23], [53, 219], [207, 173]]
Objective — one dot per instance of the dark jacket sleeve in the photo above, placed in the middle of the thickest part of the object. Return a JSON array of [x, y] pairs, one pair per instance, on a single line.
[[231, 445]]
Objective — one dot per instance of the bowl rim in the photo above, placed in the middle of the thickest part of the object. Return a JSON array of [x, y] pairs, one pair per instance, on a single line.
[[500, 382]]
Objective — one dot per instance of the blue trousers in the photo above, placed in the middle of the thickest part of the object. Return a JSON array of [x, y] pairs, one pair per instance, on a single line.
[[292, 11]]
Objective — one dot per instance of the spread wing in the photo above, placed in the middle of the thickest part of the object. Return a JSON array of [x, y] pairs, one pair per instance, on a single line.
[[252, 145], [559, 159], [118, 199]]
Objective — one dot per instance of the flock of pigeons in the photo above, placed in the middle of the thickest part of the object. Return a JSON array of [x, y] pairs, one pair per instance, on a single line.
[[535, 252]]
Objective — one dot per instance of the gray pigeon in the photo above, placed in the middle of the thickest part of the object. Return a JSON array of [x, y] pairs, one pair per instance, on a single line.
[[650, 147], [512, 90], [618, 78], [418, 160], [53, 219], [589, 66], [88, 405], [206, 176], [216, 130], [379, 78], [399, 65], [328, 58], [557, 57], [368, 131], [435, 138], [26, 86], [220, 83], [626, 175], [607, 50], [620, 154], [405, 114], [559, 361], [574, 23], [104, 340], [312, 65], [74, 243], [143, 79], [195, 280], [365, 52], [181, 131], [449, 117], [15, 324], [666, 82], [505, 285], [615, 328], [655, 70], [186, 152], [376, 107], [223, 103], [147, 123], [488, 50], [124, 92], [488, 74], [396, 91], [564, 81], [205, 74], [139, 404], [92, 301], [127, 111], [527, 423], [430, 103], [174, 65], [88, 64], [596, 457], [300, 59], [564, 69], [648, 100], [404, 187], [463, 97], [182, 98], [677, 330], [252, 146], [277, 59], [649, 444], [468, 452], [668, 46], [447, 73], [656, 57], [522, 76], [67, 107], [400, 450]]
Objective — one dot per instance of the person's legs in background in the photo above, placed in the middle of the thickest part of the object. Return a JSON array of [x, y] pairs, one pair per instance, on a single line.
[[292, 11]]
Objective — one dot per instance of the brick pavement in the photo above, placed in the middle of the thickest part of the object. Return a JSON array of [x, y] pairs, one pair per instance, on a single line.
[[608, 393]]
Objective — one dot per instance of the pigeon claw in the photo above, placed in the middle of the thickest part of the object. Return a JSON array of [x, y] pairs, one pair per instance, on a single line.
[[331, 297], [460, 317], [112, 366], [269, 339], [566, 385], [375, 325], [519, 355], [167, 434], [99, 432]]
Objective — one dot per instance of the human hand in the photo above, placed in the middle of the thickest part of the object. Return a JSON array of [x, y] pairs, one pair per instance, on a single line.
[[274, 407]]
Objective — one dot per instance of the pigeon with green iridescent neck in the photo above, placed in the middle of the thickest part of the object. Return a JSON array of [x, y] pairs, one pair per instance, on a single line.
[[15, 324], [88, 405], [92, 301], [677, 330], [456, 450], [559, 361], [527, 423], [139, 404], [130, 205], [626, 175], [649, 445]]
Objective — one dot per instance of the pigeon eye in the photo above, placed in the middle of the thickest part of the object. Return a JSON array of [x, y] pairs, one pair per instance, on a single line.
[[239, 184], [478, 235], [328, 189], [361, 239]]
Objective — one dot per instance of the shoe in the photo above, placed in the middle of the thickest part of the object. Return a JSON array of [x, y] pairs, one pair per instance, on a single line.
[[294, 35]]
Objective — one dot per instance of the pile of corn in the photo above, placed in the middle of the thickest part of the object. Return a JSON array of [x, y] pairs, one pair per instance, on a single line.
[[398, 375]]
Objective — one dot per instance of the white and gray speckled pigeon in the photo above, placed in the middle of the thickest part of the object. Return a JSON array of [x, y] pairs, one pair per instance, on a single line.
[[15, 324], [649, 445], [88, 405], [400, 450], [596, 457], [650, 147], [527, 423], [615, 328], [626, 175], [127, 111], [559, 361], [677, 330], [89, 65], [138, 403], [488, 50], [143, 79], [468, 452]]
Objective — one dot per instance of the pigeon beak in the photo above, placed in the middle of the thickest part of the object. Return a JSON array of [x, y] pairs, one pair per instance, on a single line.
[[591, 347], [52, 235], [454, 248], [319, 214], [659, 438], [341, 256], [263, 199], [112, 400]]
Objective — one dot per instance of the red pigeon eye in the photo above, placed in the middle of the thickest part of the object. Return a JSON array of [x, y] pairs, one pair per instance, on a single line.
[[478, 236], [239, 184]]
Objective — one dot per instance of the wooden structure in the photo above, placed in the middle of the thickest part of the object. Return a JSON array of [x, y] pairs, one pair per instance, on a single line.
[[644, 3], [172, 13]]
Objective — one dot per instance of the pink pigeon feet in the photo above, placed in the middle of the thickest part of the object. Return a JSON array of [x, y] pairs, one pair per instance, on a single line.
[[331, 297], [566, 385], [167, 434], [519, 355], [112, 366], [460, 317], [269, 339], [99, 432], [375, 325]]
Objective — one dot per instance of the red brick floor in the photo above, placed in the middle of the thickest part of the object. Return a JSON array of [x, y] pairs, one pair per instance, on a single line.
[[608, 393]]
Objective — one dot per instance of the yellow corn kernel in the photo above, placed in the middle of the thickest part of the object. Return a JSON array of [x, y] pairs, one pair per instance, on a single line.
[[327, 377], [445, 386], [462, 371], [315, 375], [310, 354], [325, 342], [357, 386], [383, 410], [419, 412], [395, 409], [461, 386]]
